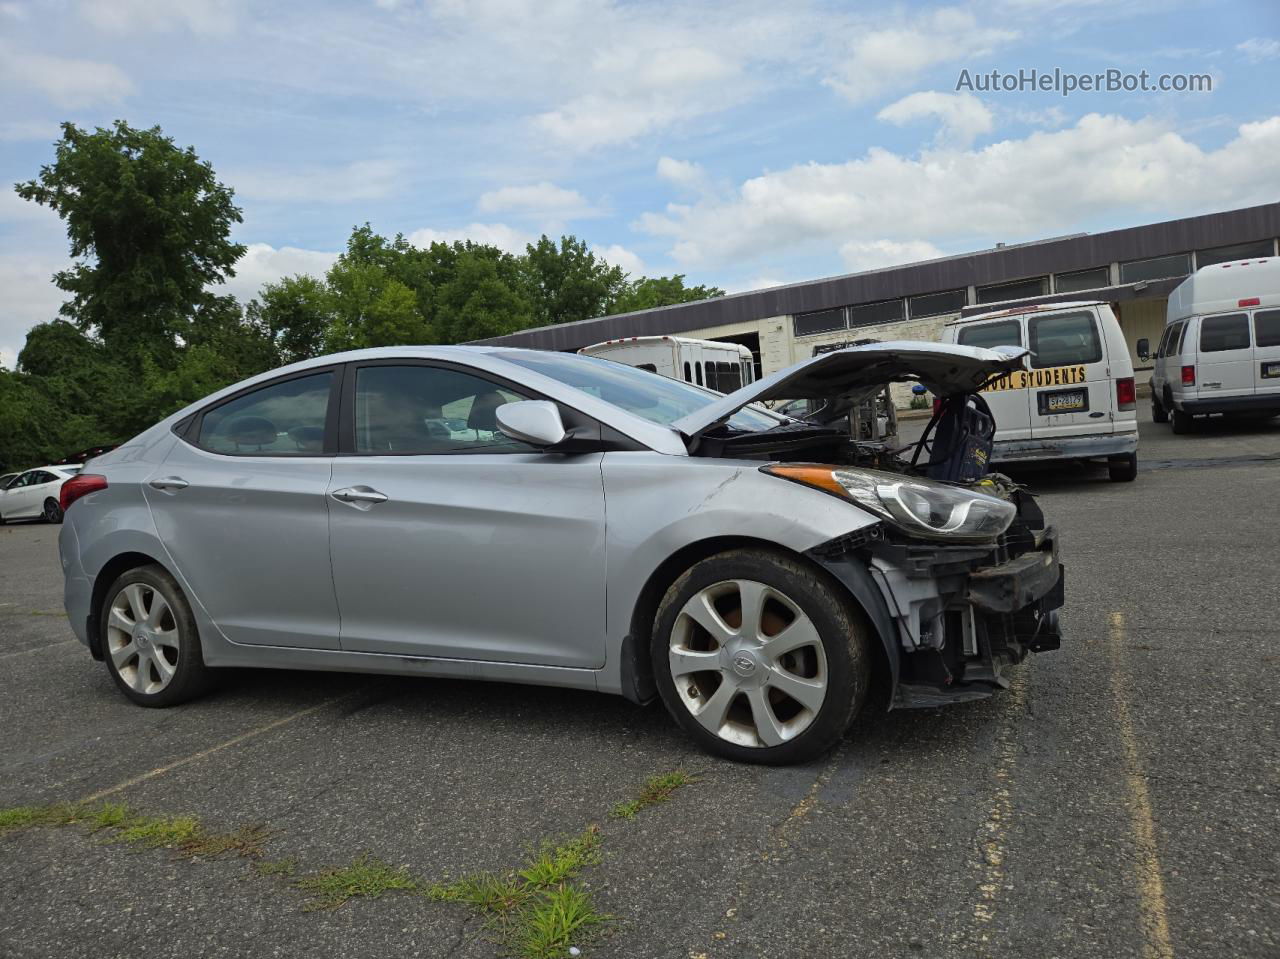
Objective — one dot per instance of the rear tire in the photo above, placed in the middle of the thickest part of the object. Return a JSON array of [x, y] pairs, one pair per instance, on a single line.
[[1181, 421], [1123, 469], [760, 657], [52, 512], [1158, 413], [149, 639]]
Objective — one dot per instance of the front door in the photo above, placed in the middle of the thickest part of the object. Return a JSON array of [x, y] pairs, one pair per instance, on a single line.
[[1069, 381], [1225, 356], [1007, 396], [449, 539], [241, 508]]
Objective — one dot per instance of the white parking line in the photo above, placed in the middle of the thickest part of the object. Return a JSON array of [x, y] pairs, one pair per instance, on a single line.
[[234, 741]]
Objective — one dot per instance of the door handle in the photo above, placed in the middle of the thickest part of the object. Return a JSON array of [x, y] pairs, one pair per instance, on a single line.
[[169, 483], [359, 495]]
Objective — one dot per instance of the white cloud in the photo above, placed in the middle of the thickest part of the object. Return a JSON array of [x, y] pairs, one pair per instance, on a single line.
[[756, 283], [263, 263], [617, 255], [1257, 49], [1103, 166], [208, 17], [18, 131], [963, 116], [684, 174], [29, 298], [361, 180], [859, 255], [539, 200], [501, 235], [68, 82], [878, 60]]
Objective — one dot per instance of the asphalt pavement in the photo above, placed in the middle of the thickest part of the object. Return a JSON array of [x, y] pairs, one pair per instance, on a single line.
[[1121, 799]]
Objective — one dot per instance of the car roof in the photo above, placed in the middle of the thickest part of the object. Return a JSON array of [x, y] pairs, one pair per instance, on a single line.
[[1019, 310]]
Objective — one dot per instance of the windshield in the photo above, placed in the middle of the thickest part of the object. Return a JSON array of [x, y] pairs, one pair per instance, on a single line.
[[658, 399]]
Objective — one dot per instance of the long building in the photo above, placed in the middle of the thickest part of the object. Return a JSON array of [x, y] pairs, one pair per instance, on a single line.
[[1133, 268]]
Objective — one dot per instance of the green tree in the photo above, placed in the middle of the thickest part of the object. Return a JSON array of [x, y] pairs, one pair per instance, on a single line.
[[567, 282], [149, 225], [294, 313], [648, 292], [371, 308], [484, 298]]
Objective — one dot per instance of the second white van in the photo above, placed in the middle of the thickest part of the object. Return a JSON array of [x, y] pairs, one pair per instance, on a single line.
[[1076, 398]]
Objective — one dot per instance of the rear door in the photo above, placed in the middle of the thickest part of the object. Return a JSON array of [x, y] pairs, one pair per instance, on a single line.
[[1225, 362], [1266, 351], [1070, 387], [1007, 396]]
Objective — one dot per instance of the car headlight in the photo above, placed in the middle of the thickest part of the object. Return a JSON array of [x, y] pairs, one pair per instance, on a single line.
[[917, 506]]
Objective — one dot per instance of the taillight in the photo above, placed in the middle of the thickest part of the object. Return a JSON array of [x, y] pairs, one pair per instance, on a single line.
[[937, 406], [82, 484], [1126, 394], [1188, 376]]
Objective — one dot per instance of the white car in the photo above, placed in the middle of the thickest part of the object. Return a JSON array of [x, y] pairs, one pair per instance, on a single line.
[[1075, 400], [34, 494], [1220, 352]]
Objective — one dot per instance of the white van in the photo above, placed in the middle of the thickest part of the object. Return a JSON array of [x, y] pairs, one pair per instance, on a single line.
[[1075, 400], [724, 367], [1220, 352]]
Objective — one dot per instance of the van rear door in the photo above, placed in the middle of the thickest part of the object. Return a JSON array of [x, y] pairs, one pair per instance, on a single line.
[[1266, 351], [1006, 397], [1225, 356], [1069, 384]]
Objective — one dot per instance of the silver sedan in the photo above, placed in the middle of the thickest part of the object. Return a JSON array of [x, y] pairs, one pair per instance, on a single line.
[[511, 515]]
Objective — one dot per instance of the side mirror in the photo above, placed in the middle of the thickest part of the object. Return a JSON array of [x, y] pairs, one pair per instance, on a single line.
[[1144, 349], [536, 422]]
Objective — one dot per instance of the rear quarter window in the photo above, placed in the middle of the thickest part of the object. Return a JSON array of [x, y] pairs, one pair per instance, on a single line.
[[1064, 339], [988, 335], [1266, 328], [1230, 331]]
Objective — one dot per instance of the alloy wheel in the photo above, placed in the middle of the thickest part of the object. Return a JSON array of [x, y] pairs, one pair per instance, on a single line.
[[748, 663], [142, 638]]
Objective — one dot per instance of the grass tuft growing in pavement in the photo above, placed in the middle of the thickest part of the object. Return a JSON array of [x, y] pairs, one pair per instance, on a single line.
[[551, 864], [365, 877], [657, 789], [486, 892], [550, 923], [153, 832], [275, 867]]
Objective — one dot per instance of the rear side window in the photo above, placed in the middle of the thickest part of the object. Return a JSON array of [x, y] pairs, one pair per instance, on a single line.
[[987, 335], [1266, 328], [1227, 332], [283, 419], [1065, 339]]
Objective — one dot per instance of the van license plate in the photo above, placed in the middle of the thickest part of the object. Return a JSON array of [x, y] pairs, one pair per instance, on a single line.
[[1271, 371], [1064, 401]]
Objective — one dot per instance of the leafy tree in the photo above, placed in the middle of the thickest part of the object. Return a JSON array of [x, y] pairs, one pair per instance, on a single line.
[[484, 297], [648, 292], [372, 308], [566, 282], [35, 427], [294, 313], [149, 225]]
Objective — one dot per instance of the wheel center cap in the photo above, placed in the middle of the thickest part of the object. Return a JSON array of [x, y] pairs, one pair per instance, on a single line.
[[744, 665], [140, 637]]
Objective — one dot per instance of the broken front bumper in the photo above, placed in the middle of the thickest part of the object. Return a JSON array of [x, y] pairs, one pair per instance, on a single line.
[[952, 619]]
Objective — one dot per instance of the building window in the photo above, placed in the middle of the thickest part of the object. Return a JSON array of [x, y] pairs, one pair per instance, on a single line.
[[1018, 290], [1094, 279], [935, 304], [1157, 268], [1241, 251], [873, 314], [822, 321]]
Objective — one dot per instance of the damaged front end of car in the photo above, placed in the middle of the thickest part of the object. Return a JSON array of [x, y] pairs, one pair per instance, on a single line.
[[960, 575]]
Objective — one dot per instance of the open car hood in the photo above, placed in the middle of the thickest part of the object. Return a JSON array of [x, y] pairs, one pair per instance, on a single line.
[[844, 377]]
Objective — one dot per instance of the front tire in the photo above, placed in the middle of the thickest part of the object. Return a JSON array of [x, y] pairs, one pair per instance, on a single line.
[[760, 657], [149, 638], [52, 512]]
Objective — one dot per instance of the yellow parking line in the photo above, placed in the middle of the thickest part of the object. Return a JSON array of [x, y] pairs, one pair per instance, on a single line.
[[234, 741], [1000, 814], [1153, 910]]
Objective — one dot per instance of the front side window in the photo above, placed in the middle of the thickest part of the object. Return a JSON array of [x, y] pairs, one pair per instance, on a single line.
[[988, 335], [1064, 339], [429, 409], [283, 419], [1230, 331]]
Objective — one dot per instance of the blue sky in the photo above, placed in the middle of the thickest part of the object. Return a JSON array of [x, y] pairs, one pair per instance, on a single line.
[[741, 143]]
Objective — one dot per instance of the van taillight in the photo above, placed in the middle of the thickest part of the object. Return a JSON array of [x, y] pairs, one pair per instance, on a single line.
[[1188, 376], [1126, 394], [79, 485]]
